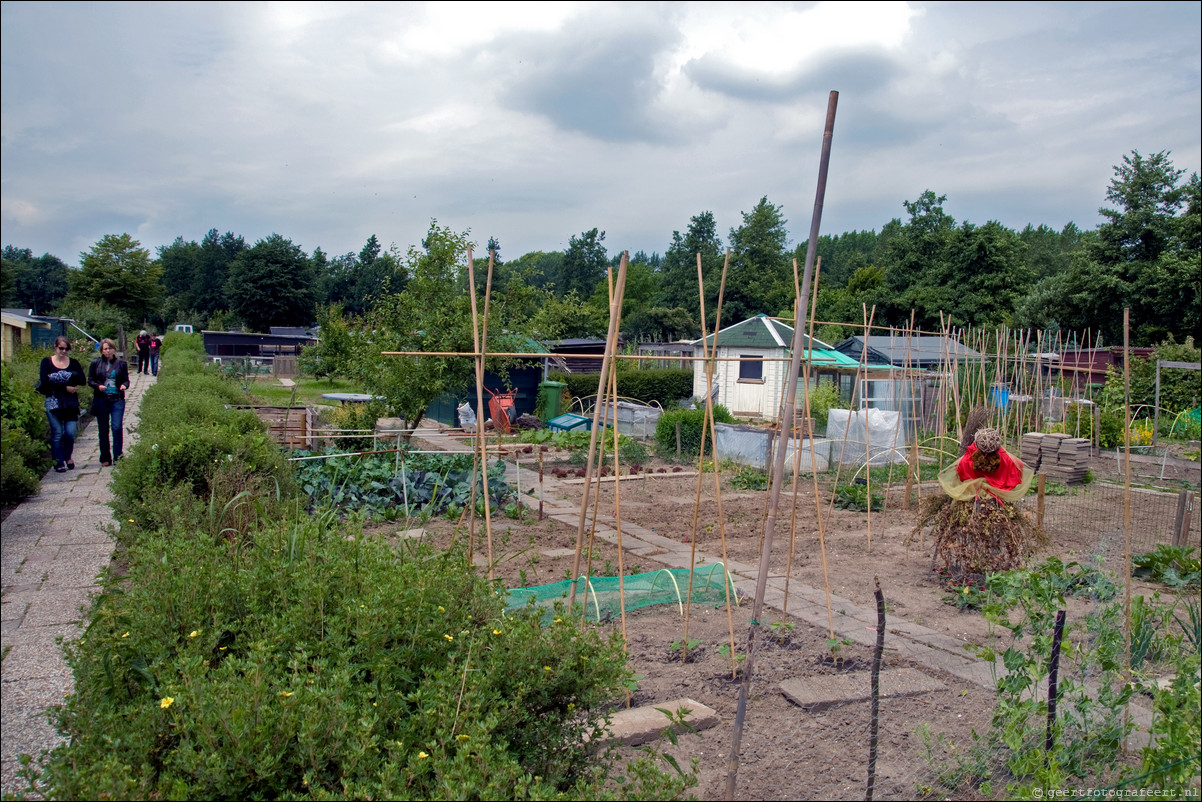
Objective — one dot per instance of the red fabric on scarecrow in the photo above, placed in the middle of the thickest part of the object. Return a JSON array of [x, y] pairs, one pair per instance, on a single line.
[[1007, 476]]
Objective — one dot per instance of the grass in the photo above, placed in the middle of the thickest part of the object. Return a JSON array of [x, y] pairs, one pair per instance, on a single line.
[[268, 391]]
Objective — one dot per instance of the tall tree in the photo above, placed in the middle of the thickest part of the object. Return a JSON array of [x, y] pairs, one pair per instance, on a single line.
[[273, 283], [761, 275], [583, 264], [429, 315], [1144, 256], [118, 272], [217, 252], [678, 284], [38, 283]]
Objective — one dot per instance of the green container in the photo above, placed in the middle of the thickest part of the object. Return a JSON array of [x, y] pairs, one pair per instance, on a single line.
[[552, 399]]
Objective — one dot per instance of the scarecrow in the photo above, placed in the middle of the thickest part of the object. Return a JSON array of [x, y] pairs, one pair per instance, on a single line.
[[978, 526]]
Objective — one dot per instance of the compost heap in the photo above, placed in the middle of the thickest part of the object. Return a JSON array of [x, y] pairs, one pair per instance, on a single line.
[[977, 524]]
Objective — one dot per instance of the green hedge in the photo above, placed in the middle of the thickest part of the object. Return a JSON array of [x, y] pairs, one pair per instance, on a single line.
[[191, 442], [665, 386], [690, 421], [24, 432]]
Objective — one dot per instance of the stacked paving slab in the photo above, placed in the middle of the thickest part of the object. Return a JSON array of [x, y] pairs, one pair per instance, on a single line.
[[1058, 456]]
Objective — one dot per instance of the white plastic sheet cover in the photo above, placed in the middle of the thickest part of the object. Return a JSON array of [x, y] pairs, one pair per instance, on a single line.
[[873, 434]]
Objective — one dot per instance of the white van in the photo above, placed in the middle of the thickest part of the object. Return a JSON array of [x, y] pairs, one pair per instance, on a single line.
[[186, 328]]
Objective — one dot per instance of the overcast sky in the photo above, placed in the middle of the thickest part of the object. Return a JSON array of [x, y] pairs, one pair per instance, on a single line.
[[329, 122]]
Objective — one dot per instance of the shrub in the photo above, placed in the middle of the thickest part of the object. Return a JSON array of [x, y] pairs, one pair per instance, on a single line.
[[22, 463], [690, 421], [187, 436], [822, 397], [322, 665], [25, 432]]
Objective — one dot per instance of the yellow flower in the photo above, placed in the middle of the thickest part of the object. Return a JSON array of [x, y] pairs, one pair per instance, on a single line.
[[192, 634], [422, 755], [496, 632], [448, 637], [131, 520], [166, 702], [285, 693], [546, 668], [126, 635], [461, 738]]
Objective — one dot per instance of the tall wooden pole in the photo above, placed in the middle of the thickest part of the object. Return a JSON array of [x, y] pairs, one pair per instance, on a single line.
[[779, 456]]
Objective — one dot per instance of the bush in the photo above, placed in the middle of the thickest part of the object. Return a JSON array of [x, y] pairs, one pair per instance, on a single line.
[[664, 386], [25, 432], [187, 437], [690, 421], [822, 398], [22, 463], [325, 666]]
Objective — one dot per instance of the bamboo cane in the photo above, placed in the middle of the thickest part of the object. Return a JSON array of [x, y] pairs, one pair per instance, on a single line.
[[615, 314]]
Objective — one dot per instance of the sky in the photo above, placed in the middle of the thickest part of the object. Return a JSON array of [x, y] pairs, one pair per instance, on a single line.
[[534, 122]]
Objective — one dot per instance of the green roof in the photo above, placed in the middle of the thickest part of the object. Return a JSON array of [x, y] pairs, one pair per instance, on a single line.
[[762, 331]]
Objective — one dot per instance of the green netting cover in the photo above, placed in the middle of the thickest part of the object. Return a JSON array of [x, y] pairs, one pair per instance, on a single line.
[[601, 598]]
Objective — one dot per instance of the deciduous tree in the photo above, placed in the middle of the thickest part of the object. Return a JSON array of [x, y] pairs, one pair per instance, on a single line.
[[119, 273], [272, 284]]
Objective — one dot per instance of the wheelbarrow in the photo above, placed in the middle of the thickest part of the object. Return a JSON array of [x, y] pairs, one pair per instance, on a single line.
[[501, 407]]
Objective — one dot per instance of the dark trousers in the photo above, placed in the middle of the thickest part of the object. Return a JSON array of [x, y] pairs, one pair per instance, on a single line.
[[62, 438], [110, 416]]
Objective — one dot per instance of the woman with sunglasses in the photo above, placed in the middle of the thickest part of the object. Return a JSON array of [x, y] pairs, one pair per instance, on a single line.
[[108, 377], [61, 378]]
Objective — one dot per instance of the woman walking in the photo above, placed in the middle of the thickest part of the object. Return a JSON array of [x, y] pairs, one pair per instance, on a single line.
[[143, 343], [61, 376], [108, 377]]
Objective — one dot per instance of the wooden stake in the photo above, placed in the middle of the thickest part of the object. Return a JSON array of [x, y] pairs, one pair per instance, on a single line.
[[779, 457]]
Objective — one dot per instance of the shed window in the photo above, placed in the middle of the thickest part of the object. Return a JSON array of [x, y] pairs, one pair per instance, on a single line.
[[751, 368]]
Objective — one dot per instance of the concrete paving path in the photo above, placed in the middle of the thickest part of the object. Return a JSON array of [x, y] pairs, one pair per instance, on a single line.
[[52, 548]]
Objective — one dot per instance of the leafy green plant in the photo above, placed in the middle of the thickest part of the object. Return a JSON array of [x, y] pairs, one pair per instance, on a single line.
[[822, 398], [431, 484], [749, 479], [1175, 566], [854, 496]]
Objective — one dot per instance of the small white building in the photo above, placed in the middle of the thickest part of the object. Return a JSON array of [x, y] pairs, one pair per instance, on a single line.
[[752, 365]]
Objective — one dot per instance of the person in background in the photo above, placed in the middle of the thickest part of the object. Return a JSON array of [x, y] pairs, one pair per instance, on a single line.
[[60, 379], [156, 343], [143, 343], [108, 377]]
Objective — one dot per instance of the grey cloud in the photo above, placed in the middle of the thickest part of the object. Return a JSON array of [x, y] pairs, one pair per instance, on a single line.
[[593, 79]]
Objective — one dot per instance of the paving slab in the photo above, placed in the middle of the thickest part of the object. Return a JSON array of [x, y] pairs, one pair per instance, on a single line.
[[826, 690], [640, 725]]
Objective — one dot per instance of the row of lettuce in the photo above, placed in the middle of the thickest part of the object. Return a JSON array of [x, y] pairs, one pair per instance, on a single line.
[[252, 647]]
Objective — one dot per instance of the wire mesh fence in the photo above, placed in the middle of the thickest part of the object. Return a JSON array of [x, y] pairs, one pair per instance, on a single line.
[[1156, 516]]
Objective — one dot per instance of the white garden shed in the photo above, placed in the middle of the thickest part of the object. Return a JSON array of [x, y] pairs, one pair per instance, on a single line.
[[753, 364]]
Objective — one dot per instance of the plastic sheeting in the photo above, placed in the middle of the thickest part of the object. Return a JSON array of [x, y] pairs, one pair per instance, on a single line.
[[872, 435]]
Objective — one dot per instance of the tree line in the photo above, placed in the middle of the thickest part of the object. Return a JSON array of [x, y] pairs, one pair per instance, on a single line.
[[1144, 255]]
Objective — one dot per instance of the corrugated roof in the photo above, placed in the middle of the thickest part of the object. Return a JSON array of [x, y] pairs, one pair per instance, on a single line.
[[920, 349]]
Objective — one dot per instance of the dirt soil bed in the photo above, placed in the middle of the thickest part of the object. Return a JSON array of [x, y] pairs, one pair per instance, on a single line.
[[787, 752]]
